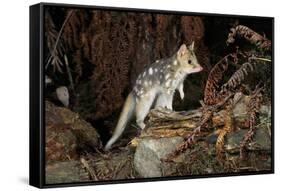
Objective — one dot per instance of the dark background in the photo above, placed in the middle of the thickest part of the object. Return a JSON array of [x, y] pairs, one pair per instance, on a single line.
[[106, 51]]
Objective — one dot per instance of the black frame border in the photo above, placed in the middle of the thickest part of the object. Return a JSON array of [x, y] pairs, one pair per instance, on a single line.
[[37, 104]]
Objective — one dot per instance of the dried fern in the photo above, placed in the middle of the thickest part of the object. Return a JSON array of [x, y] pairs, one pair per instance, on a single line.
[[250, 35], [162, 23], [51, 35], [207, 114], [55, 52], [192, 28], [223, 132], [211, 92], [236, 79], [253, 110]]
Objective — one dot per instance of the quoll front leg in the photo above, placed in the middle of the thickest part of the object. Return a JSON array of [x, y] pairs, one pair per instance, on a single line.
[[165, 100], [180, 89]]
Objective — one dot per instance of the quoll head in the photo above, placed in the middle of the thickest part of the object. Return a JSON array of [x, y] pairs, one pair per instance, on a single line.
[[187, 59]]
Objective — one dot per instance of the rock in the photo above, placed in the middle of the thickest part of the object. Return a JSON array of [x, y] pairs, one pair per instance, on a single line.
[[265, 110], [61, 143], [66, 172], [261, 141], [240, 112], [63, 95], [148, 155], [65, 132], [85, 133]]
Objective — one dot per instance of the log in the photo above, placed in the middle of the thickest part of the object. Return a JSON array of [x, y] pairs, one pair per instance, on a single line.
[[66, 172], [162, 122]]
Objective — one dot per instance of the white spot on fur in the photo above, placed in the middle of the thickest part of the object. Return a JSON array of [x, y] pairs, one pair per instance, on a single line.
[[170, 92], [168, 66], [144, 73], [168, 83], [138, 81], [145, 83], [150, 71], [157, 61], [175, 62], [155, 70], [167, 76]]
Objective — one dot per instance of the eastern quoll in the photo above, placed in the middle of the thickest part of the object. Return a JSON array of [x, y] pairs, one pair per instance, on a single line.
[[157, 83]]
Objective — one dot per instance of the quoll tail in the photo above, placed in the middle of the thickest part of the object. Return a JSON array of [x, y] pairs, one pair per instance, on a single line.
[[125, 116]]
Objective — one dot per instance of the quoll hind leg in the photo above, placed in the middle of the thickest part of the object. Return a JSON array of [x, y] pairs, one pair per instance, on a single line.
[[142, 108]]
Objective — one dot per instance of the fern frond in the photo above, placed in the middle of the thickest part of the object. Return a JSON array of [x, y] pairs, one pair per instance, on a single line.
[[236, 79], [211, 91], [250, 35]]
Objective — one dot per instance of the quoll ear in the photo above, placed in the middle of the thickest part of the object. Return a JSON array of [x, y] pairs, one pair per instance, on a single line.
[[191, 46], [182, 50]]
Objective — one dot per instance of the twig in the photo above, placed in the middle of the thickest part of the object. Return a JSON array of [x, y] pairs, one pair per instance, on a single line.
[[69, 73], [118, 168], [58, 37], [262, 59], [87, 167]]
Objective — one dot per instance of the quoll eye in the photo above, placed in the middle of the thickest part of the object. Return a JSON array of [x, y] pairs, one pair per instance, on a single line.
[[189, 61]]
